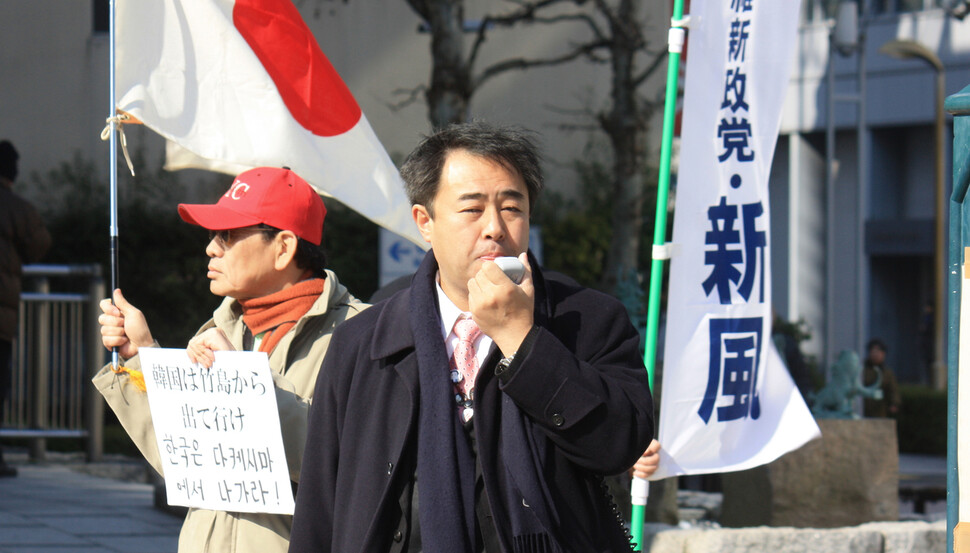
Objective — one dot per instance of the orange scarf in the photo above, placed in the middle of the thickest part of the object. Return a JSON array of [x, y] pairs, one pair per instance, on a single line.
[[277, 313]]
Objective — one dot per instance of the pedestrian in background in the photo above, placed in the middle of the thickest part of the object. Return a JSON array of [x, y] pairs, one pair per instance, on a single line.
[[875, 367], [23, 240]]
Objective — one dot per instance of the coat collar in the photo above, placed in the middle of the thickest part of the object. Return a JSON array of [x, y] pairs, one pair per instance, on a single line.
[[392, 324], [228, 316], [392, 327]]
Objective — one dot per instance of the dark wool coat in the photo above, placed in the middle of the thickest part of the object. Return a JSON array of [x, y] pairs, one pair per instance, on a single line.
[[23, 240], [579, 380]]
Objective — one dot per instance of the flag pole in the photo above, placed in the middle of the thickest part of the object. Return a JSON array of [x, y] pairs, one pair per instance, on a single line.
[[639, 489], [113, 165]]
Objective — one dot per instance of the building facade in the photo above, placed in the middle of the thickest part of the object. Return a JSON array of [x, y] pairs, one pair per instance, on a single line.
[[854, 250]]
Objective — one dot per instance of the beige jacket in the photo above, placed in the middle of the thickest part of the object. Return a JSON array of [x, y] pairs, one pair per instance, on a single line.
[[295, 362]]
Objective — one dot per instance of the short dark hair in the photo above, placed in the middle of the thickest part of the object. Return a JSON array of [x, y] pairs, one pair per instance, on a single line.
[[308, 256], [877, 343], [511, 146], [8, 160]]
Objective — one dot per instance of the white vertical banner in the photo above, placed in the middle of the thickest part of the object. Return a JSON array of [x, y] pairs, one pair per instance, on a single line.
[[728, 402]]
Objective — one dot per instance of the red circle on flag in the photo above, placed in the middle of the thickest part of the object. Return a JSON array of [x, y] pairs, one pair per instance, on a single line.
[[308, 84]]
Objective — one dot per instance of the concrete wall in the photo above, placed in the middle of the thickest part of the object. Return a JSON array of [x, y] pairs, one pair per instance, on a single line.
[[54, 97]]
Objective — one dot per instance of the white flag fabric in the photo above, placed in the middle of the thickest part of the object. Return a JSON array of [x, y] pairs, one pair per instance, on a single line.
[[728, 402], [236, 84]]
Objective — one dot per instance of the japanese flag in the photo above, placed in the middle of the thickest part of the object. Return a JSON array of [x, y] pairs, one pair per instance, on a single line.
[[235, 84]]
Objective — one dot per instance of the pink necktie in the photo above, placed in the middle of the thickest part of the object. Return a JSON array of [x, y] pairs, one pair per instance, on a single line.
[[464, 364]]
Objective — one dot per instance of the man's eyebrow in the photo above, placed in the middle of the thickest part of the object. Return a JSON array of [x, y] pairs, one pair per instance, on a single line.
[[471, 196], [510, 193]]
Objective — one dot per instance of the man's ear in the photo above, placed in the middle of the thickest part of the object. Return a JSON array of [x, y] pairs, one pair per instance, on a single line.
[[424, 221], [286, 243]]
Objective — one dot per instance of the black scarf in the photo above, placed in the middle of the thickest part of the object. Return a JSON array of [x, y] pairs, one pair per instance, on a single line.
[[446, 465]]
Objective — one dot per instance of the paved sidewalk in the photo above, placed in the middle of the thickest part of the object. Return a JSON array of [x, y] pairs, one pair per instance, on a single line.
[[54, 509], [926, 473]]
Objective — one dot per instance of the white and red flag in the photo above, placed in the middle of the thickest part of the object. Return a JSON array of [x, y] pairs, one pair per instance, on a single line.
[[235, 84]]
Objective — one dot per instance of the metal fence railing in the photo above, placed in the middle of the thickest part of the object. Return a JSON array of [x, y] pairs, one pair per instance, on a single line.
[[57, 351]]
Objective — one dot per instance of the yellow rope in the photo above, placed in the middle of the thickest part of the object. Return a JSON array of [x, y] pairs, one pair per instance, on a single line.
[[135, 376], [119, 121]]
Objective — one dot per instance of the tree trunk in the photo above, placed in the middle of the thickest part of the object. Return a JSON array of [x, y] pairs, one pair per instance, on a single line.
[[628, 190], [449, 92], [625, 125]]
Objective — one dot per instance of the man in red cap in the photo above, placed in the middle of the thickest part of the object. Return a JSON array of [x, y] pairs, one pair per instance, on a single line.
[[266, 259]]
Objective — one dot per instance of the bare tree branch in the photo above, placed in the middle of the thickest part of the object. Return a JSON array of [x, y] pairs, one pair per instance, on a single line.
[[622, 22], [421, 7], [412, 94], [607, 11], [650, 69], [576, 127], [572, 112], [578, 17], [318, 6], [528, 13], [587, 119], [588, 50]]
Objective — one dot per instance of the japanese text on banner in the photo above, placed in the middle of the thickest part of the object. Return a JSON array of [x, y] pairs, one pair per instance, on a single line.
[[735, 242]]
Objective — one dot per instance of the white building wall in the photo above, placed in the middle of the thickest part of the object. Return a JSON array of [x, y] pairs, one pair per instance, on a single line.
[[796, 187], [54, 99]]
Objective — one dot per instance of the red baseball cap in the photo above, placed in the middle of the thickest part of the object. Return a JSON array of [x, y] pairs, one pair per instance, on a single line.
[[277, 197]]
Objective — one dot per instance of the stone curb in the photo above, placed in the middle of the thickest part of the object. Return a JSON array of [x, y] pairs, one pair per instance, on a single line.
[[874, 537]]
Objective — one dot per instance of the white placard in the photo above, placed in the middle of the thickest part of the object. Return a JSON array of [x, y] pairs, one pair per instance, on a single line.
[[218, 431]]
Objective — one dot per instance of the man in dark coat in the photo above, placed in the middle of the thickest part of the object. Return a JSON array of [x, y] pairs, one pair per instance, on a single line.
[[23, 240], [404, 454]]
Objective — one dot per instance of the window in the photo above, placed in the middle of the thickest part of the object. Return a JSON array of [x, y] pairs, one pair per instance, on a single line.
[[903, 6], [820, 10], [101, 16]]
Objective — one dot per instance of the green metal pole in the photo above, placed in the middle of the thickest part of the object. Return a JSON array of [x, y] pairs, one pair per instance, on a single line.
[[959, 106], [675, 43]]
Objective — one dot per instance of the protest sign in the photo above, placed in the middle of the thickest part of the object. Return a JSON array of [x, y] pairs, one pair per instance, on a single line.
[[218, 431]]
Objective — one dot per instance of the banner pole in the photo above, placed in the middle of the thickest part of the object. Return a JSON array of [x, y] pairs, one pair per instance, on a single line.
[[640, 488], [113, 165]]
